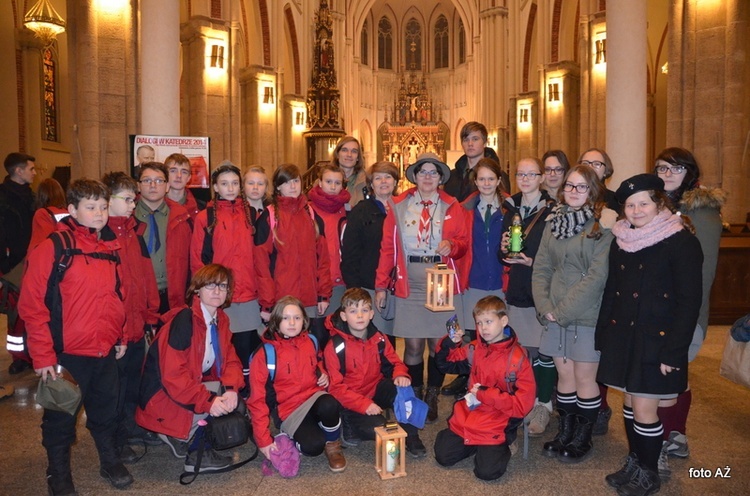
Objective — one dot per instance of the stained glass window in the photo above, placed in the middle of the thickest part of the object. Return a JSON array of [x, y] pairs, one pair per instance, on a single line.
[[385, 44], [441, 43], [413, 45], [49, 132]]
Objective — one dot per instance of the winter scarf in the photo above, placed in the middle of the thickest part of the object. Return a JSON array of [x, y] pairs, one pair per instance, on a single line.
[[328, 203], [566, 222], [631, 240]]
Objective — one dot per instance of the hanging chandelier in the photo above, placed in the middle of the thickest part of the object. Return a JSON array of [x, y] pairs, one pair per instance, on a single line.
[[44, 21]]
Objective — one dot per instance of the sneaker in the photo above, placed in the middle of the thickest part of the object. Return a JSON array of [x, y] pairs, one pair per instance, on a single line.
[[623, 476], [147, 438], [117, 475], [178, 446], [538, 420], [678, 445], [664, 471], [601, 426], [348, 437], [6, 391], [335, 455], [415, 447], [642, 483], [211, 461]]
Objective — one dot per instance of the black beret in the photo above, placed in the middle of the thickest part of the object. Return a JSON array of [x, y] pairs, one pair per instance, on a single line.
[[640, 182]]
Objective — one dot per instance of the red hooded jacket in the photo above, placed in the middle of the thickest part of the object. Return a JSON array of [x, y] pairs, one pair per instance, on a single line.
[[365, 367], [296, 380], [331, 209], [172, 384], [138, 280], [231, 246], [486, 424], [292, 258], [93, 315], [179, 233], [454, 230]]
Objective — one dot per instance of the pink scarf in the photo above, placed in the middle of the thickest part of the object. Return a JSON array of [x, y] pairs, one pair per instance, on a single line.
[[664, 225]]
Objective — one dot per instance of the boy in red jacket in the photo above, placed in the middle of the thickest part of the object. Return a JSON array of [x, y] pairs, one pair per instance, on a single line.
[[501, 392], [367, 385], [83, 333], [141, 303]]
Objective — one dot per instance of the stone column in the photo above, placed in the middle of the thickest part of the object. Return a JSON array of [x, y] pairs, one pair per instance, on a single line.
[[626, 88], [160, 67]]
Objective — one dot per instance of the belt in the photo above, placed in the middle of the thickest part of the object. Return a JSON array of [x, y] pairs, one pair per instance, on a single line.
[[425, 259]]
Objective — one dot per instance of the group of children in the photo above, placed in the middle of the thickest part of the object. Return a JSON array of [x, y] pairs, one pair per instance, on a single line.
[[124, 236]]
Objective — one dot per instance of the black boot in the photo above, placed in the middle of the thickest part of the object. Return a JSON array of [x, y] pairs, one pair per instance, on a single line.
[[643, 483], [623, 476], [457, 387], [419, 392], [59, 479], [580, 447], [431, 398], [565, 431]]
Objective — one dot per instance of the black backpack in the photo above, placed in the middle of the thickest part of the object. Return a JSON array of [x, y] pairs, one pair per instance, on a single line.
[[65, 251], [339, 346]]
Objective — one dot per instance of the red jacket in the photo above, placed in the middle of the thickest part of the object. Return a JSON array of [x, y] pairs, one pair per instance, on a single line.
[[141, 295], [93, 314], [44, 223], [300, 255], [331, 209], [231, 246], [486, 424], [296, 380], [172, 384], [191, 204], [179, 233], [454, 230], [365, 367]]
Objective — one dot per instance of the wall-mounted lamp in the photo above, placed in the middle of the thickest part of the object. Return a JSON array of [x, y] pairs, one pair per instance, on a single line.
[[600, 51], [44, 21], [524, 115], [665, 68], [216, 59], [299, 118], [553, 92], [268, 97]]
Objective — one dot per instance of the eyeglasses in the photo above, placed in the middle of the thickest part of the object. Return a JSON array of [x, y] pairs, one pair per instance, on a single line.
[[159, 181], [557, 171], [527, 175], [127, 199], [425, 173], [675, 169], [581, 188], [212, 285], [592, 163]]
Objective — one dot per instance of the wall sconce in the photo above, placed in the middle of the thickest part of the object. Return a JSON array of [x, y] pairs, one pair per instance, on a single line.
[[216, 59], [600, 51], [299, 118], [44, 21], [665, 68], [553, 92], [524, 115], [268, 97]]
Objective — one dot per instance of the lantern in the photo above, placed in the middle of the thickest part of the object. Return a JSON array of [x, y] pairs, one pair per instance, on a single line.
[[390, 451], [440, 288]]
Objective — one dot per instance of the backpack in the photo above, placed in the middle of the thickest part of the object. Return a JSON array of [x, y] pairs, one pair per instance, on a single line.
[[271, 356], [339, 346], [65, 251], [515, 359]]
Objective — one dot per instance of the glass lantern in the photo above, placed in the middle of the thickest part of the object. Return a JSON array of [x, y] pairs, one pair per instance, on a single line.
[[390, 451], [440, 288]]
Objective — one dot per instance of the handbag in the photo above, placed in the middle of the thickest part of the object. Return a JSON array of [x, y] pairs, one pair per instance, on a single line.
[[735, 363], [230, 430], [388, 312]]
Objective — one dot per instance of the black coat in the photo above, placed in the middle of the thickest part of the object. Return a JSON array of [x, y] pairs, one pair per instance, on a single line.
[[360, 247], [460, 185], [648, 315], [16, 215]]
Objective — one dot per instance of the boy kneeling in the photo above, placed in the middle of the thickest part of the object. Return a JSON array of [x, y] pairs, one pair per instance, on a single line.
[[501, 392], [364, 371]]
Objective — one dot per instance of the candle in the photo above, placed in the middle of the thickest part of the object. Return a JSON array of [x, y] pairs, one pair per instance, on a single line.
[[391, 449], [440, 295]]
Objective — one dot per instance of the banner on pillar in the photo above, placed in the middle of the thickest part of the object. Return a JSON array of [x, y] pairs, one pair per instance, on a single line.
[[149, 148]]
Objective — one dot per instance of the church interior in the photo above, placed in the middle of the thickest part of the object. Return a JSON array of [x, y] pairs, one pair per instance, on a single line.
[[270, 82]]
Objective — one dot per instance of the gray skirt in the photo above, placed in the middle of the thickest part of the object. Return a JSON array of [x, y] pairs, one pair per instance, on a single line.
[[413, 320], [575, 342], [527, 327], [244, 316], [469, 300], [292, 422], [384, 326], [335, 301]]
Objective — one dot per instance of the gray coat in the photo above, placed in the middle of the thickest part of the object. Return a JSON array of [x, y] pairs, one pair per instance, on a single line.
[[570, 274]]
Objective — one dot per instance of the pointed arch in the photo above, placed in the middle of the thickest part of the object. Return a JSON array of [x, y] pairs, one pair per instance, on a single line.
[[527, 45], [295, 48]]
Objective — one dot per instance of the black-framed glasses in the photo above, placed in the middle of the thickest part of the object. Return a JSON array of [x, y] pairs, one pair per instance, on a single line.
[[674, 169], [149, 180], [581, 188], [592, 163], [554, 171], [212, 285], [425, 173], [527, 175]]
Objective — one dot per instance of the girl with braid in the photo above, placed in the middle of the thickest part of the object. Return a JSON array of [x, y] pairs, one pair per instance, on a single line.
[[291, 253], [570, 271], [223, 234]]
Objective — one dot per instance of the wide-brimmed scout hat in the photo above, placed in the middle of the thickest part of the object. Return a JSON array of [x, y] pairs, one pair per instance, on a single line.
[[428, 158]]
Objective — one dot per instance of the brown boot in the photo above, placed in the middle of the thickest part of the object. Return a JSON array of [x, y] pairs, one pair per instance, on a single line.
[[335, 455], [431, 398]]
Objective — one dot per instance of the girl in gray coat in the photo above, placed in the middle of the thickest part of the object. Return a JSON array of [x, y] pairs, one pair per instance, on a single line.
[[570, 271]]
